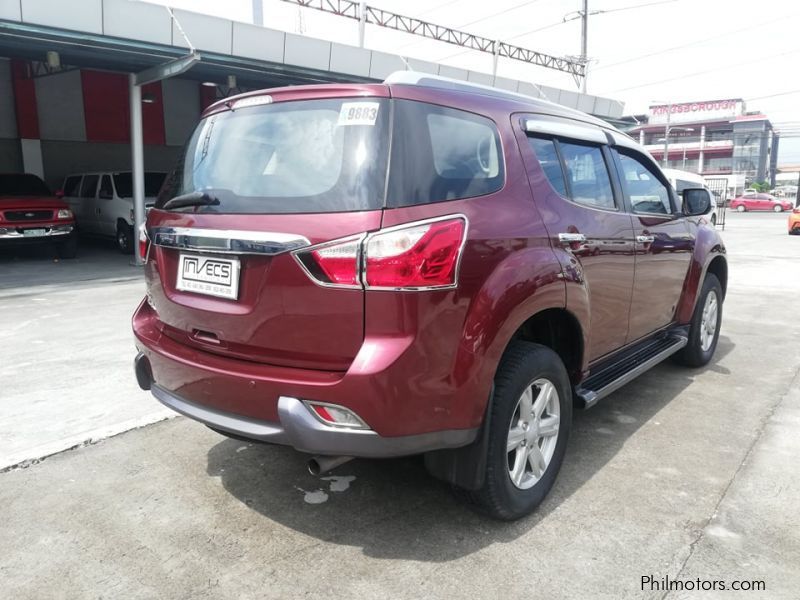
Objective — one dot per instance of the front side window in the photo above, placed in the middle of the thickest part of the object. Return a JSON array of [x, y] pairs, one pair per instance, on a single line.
[[644, 190], [441, 154], [71, 185], [288, 157], [587, 175]]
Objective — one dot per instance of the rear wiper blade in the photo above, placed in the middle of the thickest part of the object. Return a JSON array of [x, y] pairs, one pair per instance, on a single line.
[[191, 199]]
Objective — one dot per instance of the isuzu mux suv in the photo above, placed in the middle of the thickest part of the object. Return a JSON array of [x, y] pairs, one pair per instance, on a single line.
[[421, 266]]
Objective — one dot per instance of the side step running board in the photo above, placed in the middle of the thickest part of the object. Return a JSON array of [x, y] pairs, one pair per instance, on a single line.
[[614, 375]]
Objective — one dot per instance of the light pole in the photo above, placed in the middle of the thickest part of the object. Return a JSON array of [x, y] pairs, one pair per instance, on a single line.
[[665, 139]]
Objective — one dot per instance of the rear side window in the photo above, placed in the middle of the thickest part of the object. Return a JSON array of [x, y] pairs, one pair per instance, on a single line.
[[441, 154], [587, 175], [72, 185], [89, 186], [548, 158], [152, 184]]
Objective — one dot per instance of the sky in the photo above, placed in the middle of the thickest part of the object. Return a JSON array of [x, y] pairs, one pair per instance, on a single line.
[[641, 51]]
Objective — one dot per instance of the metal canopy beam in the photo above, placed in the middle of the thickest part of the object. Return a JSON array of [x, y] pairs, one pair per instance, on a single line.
[[369, 14], [136, 81], [168, 69]]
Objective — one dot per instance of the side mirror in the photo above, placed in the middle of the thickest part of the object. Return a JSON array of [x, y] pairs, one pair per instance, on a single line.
[[106, 195], [696, 201], [59, 193]]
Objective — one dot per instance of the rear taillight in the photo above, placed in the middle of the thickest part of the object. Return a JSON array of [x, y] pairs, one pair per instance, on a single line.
[[423, 255], [416, 256], [144, 243], [335, 263]]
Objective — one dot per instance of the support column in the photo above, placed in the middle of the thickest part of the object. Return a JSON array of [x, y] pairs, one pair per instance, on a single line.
[[137, 162], [701, 158], [362, 22]]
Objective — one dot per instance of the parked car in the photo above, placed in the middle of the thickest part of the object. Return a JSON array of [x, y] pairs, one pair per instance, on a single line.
[[794, 222], [30, 213], [759, 201], [103, 203], [682, 180], [453, 289]]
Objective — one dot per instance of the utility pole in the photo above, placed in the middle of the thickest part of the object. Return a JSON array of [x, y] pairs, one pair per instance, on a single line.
[[258, 12], [585, 43]]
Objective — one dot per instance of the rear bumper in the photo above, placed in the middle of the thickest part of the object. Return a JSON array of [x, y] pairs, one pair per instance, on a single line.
[[298, 428], [265, 402]]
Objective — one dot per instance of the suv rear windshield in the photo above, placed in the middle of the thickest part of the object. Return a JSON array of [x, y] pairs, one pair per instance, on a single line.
[[22, 184], [289, 157], [123, 183]]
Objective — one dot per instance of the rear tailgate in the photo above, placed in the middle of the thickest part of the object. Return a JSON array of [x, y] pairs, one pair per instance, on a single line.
[[280, 315], [307, 165]]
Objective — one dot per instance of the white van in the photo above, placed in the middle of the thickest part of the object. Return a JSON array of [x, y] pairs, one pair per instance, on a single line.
[[682, 180], [103, 203]]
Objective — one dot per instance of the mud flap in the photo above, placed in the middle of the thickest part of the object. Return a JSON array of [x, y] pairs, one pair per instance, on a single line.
[[464, 467]]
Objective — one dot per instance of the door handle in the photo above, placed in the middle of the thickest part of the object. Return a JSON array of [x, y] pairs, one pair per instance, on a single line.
[[571, 238], [645, 239]]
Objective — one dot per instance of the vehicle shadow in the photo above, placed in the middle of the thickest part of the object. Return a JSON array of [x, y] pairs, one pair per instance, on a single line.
[[394, 509]]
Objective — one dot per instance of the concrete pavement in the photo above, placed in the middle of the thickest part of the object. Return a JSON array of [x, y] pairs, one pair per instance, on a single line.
[[67, 351], [683, 474]]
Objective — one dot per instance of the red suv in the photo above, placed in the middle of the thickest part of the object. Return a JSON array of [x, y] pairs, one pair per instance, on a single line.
[[30, 213], [420, 266]]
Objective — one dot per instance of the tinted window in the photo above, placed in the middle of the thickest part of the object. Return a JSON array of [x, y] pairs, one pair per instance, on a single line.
[[89, 186], [587, 175], [124, 184], [106, 191], [289, 157], [644, 190], [442, 154], [22, 184], [72, 185], [547, 156]]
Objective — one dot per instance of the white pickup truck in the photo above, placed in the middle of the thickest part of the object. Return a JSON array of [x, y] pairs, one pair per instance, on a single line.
[[103, 203]]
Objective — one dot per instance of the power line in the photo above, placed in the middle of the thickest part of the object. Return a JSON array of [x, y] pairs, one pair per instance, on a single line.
[[481, 19], [775, 95], [705, 72], [694, 43], [561, 22]]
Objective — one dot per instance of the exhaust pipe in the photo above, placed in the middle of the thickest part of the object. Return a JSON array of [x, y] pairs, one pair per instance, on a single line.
[[320, 465]]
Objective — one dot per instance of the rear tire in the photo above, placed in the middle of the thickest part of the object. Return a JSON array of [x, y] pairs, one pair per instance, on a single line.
[[531, 408], [124, 238], [707, 315], [68, 248]]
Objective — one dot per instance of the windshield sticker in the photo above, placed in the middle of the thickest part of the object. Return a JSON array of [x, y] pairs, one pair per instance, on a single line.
[[358, 113]]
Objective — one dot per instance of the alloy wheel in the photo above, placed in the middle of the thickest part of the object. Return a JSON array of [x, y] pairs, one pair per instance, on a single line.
[[708, 323], [533, 433]]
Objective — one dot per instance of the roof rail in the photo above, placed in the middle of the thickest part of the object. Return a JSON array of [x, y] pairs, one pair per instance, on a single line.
[[446, 83]]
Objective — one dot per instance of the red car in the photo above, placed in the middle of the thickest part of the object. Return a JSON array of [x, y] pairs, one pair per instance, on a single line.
[[30, 213], [422, 266], [755, 201]]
